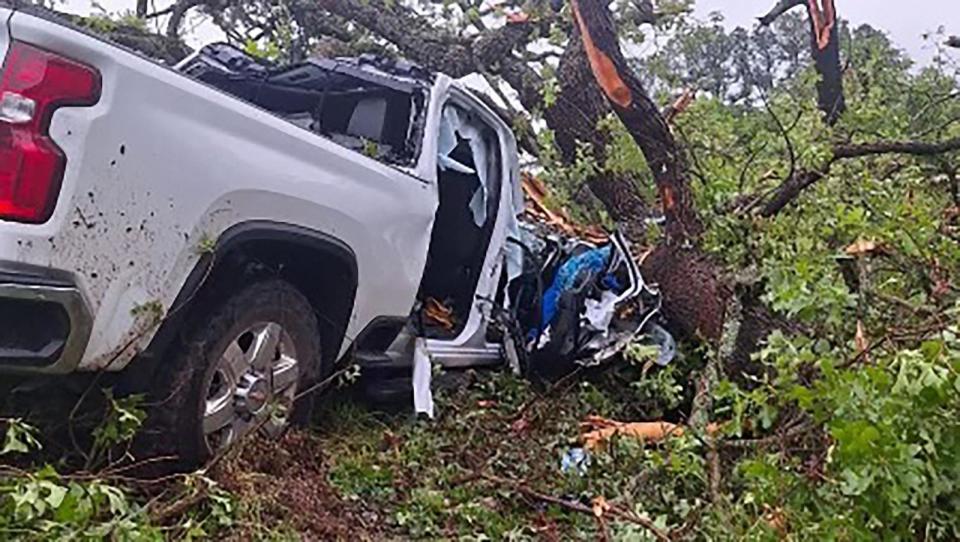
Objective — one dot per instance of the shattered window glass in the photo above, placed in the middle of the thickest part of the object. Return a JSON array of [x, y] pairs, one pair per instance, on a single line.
[[366, 104]]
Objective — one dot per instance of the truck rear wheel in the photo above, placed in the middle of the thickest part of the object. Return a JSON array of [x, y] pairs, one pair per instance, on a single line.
[[237, 372]]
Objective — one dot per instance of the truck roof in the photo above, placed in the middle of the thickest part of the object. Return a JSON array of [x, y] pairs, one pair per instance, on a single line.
[[315, 72]]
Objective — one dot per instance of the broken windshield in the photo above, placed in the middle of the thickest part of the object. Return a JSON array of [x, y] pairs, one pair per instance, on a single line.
[[366, 104]]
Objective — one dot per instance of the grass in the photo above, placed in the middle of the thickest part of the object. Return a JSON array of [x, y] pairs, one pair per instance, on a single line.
[[466, 474], [484, 469]]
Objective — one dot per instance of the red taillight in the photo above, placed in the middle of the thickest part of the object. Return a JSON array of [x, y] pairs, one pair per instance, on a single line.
[[34, 84]]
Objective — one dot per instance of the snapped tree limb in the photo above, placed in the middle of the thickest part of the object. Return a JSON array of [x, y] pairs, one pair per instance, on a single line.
[[825, 47], [642, 118], [782, 7]]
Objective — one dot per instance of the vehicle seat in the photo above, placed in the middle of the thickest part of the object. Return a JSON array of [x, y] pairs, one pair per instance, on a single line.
[[455, 240], [367, 118]]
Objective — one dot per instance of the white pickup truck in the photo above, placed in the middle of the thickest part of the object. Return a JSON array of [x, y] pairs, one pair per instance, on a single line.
[[224, 231]]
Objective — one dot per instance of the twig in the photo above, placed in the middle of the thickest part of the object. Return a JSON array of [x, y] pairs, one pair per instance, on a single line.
[[180, 506], [553, 388], [614, 511]]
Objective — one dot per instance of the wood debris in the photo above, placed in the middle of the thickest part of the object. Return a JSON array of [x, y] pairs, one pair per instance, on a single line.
[[539, 210], [862, 247], [597, 431]]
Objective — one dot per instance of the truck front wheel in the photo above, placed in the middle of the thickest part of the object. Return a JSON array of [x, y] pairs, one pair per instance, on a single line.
[[238, 371]]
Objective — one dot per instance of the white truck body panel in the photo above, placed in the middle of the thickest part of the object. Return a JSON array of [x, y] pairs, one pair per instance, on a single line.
[[163, 163]]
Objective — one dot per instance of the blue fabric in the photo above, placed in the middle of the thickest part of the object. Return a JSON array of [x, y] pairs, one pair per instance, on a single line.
[[592, 262], [610, 282]]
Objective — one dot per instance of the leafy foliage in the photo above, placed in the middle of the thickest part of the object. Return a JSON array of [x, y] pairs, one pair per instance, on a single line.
[[848, 430]]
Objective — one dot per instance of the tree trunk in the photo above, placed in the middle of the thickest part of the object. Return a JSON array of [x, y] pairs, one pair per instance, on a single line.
[[825, 49], [694, 296], [825, 39], [574, 117]]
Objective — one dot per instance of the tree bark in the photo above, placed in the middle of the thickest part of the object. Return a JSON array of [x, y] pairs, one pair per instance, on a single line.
[[782, 7], [825, 38], [643, 119], [574, 118], [694, 295], [825, 48]]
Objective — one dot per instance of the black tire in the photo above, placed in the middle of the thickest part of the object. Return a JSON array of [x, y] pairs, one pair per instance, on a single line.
[[181, 384]]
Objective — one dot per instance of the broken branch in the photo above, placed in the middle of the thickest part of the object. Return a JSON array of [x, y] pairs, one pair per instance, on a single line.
[[790, 189], [576, 506], [782, 7], [915, 148], [642, 118]]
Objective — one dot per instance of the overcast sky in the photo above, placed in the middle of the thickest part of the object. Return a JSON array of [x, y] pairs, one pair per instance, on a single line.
[[906, 22]]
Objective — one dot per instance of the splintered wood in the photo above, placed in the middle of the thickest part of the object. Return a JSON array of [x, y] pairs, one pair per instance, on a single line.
[[539, 210], [597, 431], [823, 18]]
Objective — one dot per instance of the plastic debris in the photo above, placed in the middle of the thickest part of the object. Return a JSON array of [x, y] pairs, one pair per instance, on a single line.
[[422, 374], [599, 314], [666, 343], [575, 460]]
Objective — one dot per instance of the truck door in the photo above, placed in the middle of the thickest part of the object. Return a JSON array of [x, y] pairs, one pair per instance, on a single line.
[[475, 172]]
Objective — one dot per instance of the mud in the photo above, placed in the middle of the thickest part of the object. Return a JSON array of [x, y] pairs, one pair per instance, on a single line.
[[286, 481]]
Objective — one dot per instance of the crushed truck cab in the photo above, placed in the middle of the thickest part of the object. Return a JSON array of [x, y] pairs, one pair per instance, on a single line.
[[226, 230]]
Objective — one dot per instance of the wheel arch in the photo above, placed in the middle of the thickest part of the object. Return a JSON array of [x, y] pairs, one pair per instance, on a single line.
[[321, 266]]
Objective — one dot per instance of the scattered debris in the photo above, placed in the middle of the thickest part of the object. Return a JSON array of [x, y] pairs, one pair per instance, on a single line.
[[665, 343], [597, 431], [539, 210], [600, 506], [575, 460], [860, 339], [422, 373], [862, 247], [286, 481], [439, 314]]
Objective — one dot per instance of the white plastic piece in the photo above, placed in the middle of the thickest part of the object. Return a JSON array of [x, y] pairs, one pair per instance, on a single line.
[[422, 373], [599, 314]]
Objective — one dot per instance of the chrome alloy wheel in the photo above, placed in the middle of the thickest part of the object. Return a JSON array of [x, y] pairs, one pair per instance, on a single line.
[[253, 387]]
